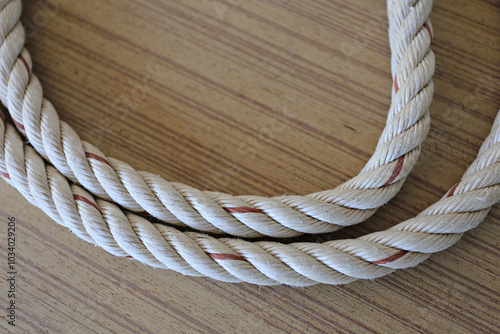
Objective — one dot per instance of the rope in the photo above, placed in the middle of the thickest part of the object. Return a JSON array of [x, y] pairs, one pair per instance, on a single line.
[[126, 234], [412, 62], [265, 263]]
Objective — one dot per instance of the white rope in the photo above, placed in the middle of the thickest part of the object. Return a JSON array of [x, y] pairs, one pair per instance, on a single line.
[[233, 260]]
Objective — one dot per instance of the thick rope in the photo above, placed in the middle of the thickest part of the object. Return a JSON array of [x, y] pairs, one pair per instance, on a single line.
[[410, 34], [265, 263], [233, 260]]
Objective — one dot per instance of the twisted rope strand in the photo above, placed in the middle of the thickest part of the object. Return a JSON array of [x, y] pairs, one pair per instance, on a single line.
[[265, 263], [412, 62]]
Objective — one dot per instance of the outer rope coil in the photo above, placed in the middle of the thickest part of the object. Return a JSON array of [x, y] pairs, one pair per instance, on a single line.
[[410, 34], [266, 263]]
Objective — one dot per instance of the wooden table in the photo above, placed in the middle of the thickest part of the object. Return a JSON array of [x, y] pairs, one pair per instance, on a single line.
[[255, 97]]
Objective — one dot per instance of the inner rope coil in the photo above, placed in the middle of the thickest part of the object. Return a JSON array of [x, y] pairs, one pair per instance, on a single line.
[[398, 149]]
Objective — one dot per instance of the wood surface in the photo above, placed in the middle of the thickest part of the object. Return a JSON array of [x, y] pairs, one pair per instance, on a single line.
[[255, 97]]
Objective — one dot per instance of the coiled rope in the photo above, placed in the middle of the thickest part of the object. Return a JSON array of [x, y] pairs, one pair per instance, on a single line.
[[397, 152], [266, 263], [126, 234]]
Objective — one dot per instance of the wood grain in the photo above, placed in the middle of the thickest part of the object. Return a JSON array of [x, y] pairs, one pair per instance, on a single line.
[[255, 97]]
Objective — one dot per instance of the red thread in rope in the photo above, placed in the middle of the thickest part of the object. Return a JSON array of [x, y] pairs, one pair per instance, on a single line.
[[19, 125], [25, 64], [397, 170], [223, 256], [98, 158], [429, 30], [391, 258], [452, 191], [5, 175], [86, 200], [396, 87], [242, 209]]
